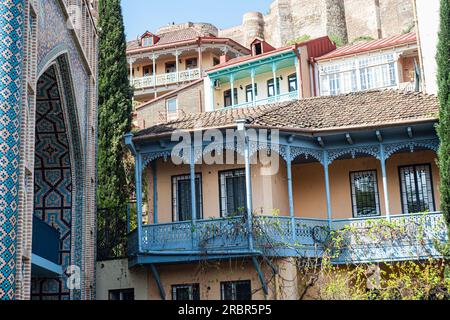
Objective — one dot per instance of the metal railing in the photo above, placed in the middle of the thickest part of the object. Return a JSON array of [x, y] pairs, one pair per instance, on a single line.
[[279, 236], [284, 97]]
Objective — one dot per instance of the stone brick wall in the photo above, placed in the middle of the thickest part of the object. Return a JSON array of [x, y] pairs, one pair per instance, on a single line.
[[347, 19], [190, 100]]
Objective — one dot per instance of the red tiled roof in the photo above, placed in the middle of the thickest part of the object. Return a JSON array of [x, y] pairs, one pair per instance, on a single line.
[[178, 36], [371, 45], [316, 115]]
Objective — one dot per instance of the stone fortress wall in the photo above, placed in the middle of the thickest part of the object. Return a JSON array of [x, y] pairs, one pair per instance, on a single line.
[[346, 19], [203, 28]]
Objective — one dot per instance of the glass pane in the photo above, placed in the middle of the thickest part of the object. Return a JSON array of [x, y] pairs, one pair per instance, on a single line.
[[417, 189], [365, 193], [172, 105]]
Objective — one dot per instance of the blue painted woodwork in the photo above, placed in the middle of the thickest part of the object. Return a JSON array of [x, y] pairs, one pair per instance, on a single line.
[[46, 241], [287, 235], [221, 238]]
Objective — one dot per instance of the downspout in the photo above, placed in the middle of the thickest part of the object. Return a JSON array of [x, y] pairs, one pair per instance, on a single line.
[[297, 53]]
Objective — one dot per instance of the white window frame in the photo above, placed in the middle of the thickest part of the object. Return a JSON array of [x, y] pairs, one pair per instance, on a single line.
[[176, 105]]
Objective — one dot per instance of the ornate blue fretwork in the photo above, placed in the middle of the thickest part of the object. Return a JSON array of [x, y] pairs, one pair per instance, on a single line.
[[306, 152], [392, 148], [149, 157], [373, 150]]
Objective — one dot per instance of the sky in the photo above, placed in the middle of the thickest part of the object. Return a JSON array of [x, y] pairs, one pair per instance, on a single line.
[[143, 15]]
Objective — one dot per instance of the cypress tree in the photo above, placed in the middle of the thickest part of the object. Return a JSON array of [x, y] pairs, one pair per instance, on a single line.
[[115, 106], [443, 56]]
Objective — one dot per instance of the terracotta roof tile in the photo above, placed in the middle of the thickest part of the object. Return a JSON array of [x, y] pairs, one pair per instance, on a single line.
[[355, 110]]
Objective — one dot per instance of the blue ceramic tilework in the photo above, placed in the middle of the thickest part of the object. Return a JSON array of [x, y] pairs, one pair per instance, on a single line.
[[11, 31]]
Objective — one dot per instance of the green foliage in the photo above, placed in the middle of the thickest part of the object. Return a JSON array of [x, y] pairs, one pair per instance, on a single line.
[[300, 39], [115, 106], [409, 28], [407, 280], [338, 41], [361, 39], [443, 61]]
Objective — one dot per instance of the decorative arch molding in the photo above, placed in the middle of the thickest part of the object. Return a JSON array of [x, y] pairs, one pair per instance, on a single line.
[[335, 154], [149, 157], [392, 148], [59, 61], [306, 152]]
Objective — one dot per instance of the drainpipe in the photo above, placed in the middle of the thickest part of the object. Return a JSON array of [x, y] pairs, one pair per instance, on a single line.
[[248, 180]]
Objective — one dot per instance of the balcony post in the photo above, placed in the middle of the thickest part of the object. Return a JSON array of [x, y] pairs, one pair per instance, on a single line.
[[177, 54], [154, 74], [290, 193], [155, 193], [275, 87], [253, 74], [297, 77], [232, 90], [193, 191], [200, 59], [138, 171], [327, 187], [212, 94], [131, 70], [385, 183]]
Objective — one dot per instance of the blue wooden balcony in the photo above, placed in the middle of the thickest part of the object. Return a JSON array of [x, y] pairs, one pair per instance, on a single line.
[[283, 236], [46, 250]]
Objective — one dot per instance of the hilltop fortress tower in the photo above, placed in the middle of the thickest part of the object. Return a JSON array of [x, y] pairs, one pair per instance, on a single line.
[[346, 19]]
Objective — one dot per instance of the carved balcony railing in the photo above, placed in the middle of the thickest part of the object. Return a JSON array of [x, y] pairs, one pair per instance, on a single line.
[[166, 78], [403, 237]]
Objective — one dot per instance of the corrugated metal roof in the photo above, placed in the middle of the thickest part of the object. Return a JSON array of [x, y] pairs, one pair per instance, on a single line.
[[371, 45]]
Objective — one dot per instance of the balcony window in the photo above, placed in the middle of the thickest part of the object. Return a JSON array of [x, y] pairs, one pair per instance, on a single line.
[[186, 292], [232, 192], [191, 63], [249, 92], [236, 291], [172, 105], [292, 82], [227, 98], [122, 295], [171, 67], [358, 74], [417, 189], [181, 197], [365, 197], [147, 71], [271, 88]]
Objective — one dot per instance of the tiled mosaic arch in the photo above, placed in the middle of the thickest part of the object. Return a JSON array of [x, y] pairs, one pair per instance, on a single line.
[[58, 170]]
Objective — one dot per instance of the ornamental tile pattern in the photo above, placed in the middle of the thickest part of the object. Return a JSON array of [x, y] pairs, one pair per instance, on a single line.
[[52, 177], [61, 127], [11, 35]]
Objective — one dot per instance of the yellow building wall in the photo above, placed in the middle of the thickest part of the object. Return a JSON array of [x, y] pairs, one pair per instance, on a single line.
[[270, 193], [309, 184]]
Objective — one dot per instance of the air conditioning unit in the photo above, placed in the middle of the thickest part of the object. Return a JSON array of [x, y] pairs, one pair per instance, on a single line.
[[216, 84]]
